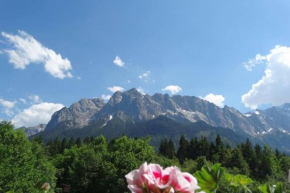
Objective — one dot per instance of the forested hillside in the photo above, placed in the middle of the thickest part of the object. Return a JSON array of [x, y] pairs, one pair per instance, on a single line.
[[98, 165]]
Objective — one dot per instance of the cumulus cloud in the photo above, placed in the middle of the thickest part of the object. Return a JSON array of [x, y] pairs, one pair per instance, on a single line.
[[36, 114], [27, 50], [218, 100], [145, 76], [106, 97], [273, 87], [118, 61], [173, 89], [115, 89]]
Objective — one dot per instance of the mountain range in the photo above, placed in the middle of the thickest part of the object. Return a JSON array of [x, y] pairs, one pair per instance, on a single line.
[[135, 114]]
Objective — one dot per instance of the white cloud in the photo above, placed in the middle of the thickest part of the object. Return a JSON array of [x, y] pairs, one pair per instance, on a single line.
[[35, 99], [118, 61], [173, 89], [218, 100], [273, 87], [145, 76], [259, 59], [8, 112], [141, 90], [115, 89], [23, 101], [7, 104], [106, 97], [36, 114], [27, 50]]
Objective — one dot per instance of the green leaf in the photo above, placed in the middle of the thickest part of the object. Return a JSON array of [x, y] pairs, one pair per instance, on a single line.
[[280, 188], [239, 182], [209, 178], [267, 188]]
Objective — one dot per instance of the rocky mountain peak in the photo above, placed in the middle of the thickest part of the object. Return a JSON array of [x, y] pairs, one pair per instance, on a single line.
[[115, 99], [132, 105], [77, 115], [29, 131]]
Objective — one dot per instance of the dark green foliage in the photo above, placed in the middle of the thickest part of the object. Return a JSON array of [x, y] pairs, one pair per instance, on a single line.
[[64, 145], [249, 154], [237, 161], [22, 164], [78, 142], [183, 149], [71, 142], [167, 148], [97, 165]]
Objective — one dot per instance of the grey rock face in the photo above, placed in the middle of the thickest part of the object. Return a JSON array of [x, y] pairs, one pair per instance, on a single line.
[[77, 115], [274, 118], [33, 130], [134, 106], [130, 105]]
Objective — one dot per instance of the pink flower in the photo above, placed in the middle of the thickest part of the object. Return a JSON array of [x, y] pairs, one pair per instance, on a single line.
[[153, 179], [183, 182], [136, 180], [157, 177]]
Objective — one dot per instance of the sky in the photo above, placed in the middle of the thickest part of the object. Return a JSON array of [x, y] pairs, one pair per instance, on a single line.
[[54, 53]]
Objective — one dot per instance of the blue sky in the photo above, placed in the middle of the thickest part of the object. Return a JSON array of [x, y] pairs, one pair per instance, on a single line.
[[53, 53]]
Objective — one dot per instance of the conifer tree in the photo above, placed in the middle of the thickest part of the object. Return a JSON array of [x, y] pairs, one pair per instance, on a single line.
[[71, 142], [193, 153], [183, 148], [64, 144], [56, 146], [78, 142], [249, 154], [87, 140], [237, 160], [170, 149]]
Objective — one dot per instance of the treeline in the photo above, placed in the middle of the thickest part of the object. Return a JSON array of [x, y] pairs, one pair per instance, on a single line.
[[97, 165], [260, 163]]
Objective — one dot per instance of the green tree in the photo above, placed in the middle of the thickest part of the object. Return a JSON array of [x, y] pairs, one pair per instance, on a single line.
[[237, 161], [56, 146], [22, 164], [249, 154], [64, 145], [71, 142], [78, 142], [128, 154], [171, 149], [183, 149]]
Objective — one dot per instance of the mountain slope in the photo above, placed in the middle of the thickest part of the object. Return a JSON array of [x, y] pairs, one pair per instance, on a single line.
[[33, 130], [159, 128], [132, 107], [76, 116]]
